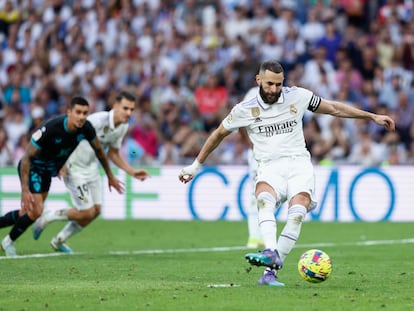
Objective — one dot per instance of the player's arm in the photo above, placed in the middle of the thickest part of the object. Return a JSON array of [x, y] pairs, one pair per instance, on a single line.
[[245, 137], [215, 138], [100, 154], [341, 110], [27, 198], [119, 161]]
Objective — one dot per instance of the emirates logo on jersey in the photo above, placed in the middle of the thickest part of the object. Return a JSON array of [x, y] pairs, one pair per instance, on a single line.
[[293, 109], [278, 128]]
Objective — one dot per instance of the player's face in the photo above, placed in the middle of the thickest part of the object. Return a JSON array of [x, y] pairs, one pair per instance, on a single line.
[[270, 84], [77, 116], [123, 111]]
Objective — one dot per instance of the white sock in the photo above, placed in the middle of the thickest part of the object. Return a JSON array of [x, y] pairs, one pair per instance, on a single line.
[[68, 231], [267, 222], [291, 231], [7, 240], [253, 220], [51, 216]]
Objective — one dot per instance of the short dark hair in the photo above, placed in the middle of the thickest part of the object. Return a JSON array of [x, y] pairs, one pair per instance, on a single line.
[[271, 65], [78, 100], [127, 95]]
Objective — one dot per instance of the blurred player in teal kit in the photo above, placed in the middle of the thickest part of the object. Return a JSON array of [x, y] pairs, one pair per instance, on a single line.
[[81, 173], [50, 147]]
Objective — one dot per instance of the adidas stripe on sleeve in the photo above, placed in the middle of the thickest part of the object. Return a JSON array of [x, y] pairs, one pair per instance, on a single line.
[[314, 103]]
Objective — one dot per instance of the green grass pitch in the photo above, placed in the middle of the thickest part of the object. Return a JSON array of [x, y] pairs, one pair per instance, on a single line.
[[169, 265]]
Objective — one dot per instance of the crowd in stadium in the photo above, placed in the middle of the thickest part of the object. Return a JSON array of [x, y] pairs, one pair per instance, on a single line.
[[189, 61]]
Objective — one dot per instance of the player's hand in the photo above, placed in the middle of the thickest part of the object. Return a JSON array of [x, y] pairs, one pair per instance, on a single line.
[[117, 184], [62, 172], [188, 172], [386, 121], [27, 201], [141, 174]]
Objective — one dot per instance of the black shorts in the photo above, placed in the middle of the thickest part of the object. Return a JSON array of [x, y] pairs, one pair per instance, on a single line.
[[39, 182]]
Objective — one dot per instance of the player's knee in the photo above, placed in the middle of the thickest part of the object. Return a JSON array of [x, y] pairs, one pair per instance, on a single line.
[[302, 198], [265, 200], [97, 209], [89, 214], [34, 214]]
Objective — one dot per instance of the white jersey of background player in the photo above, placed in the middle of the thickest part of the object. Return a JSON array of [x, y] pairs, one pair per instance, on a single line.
[[254, 239], [82, 176]]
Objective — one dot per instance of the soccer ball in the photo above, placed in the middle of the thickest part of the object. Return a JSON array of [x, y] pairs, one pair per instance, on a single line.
[[315, 266]]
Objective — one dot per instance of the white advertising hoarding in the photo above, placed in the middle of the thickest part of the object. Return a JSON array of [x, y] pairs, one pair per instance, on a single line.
[[345, 193]]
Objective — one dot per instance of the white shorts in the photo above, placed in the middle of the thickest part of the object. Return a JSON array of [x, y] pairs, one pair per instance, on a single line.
[[289, 176], [84, 193]]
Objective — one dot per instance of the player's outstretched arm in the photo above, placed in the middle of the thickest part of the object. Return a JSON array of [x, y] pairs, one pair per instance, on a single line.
[[27, 199], [342, 110], [119, 161], [215, 138], [100, 154]]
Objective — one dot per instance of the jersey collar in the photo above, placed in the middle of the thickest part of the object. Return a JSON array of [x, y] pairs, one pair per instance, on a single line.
[[267, 106]]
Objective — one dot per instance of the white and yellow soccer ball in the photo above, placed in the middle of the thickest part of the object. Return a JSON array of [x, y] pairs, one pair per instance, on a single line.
[[315, 266]]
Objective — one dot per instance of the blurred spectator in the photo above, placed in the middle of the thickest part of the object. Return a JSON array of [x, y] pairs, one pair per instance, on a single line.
[[16, 93], [396, 8], [20, 148], [259, 22], [396, 153], [405, 113], [145, 135], [368, 62], [286, 19], [346, 73], [84, 65], [315, 142], [313, 29], [270, 46], [331, 41], [365, 151], [388, 95], [37, 118], [355, 11], [385, 48], [318, 68], [405, 51], [15, 125], [237, 24], [8, 15], [232, 151], [293, 49], [6, 149], [211, 99], [169, 153], [338, 141]]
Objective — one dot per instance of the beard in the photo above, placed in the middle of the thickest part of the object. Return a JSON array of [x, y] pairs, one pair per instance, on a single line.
[[269, 98]]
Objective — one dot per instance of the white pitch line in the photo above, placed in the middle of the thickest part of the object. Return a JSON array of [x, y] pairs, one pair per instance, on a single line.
[[218, 249], [236, 248]]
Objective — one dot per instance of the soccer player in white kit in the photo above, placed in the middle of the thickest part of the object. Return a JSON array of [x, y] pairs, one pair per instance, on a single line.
[[81, 174], [273, 120]]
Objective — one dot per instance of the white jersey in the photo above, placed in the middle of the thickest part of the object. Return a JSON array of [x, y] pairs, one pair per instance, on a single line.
[[83, 162], [276, 130]]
